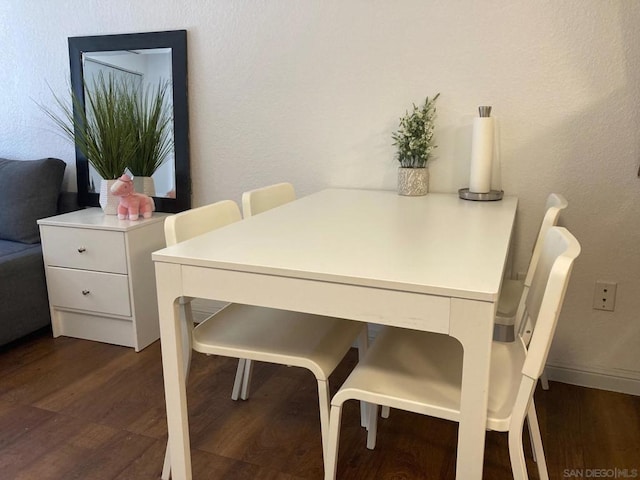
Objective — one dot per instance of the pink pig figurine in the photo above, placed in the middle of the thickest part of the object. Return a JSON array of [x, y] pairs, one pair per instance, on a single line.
[[131, 204]]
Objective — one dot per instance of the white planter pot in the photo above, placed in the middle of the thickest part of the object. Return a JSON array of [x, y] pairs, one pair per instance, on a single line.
[[413, 181], [144, 185]]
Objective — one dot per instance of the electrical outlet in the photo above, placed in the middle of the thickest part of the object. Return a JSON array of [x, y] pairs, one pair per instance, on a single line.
[[604, 296]]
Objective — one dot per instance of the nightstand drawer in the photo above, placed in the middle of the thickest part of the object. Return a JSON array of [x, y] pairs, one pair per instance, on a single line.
[[91, 291], [84, 249]]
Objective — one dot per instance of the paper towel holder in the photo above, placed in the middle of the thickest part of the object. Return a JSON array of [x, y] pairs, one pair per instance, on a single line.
[[491, 195]]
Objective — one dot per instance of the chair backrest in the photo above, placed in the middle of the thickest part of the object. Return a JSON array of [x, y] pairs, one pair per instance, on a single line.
[[555, 204], [191, 223], [545, 296], [266, 198]]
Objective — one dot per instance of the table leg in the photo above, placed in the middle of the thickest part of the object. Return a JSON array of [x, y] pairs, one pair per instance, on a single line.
[[169, 291], [472, 325]]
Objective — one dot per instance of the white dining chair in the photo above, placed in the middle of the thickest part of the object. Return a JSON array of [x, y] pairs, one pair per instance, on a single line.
[[514, 291], [421, 372], [265, 198], [242, 331], [255, 202], [511, 294]]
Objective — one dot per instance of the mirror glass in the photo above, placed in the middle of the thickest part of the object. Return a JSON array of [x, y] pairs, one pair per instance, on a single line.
[[144, 59]]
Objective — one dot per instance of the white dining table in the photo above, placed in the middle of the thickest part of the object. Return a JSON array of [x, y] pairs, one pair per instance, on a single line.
[[432, 263]]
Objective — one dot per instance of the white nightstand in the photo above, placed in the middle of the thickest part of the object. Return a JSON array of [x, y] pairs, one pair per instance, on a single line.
[[100, 276]]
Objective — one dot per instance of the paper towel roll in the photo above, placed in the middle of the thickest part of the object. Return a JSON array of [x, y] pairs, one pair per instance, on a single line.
[[481, 155]]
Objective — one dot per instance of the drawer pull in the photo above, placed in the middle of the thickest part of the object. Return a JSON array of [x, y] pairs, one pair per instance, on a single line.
[[82, 250], [86, 292]]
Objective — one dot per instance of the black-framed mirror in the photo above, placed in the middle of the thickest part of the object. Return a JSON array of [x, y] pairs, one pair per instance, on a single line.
[[168, 51]]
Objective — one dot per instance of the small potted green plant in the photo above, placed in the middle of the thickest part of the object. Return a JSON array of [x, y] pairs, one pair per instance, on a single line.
[[150, 122], [414, 139], [100, 130]]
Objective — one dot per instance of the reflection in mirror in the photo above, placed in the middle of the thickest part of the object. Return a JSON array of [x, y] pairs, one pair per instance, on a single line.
[[144, 70], [146, 60]]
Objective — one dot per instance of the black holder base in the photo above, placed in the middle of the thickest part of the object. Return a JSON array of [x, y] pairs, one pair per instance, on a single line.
[[492, 196]]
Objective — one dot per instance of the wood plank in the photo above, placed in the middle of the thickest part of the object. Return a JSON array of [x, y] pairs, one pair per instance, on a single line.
[[71, 408], [18, 420]]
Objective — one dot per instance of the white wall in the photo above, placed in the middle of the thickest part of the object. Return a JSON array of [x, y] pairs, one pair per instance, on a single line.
[[310, 91]]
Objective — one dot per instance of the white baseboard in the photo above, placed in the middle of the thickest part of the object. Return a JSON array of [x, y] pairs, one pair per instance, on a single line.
[[599, 380]]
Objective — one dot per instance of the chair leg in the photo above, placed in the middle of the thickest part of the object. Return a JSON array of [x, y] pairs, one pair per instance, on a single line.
[[533, 447], [372, 432], [544, 381], [372, 428], [246, 380], [166, 467], [237, 384], [532, 424], [521, 409], [331, 457], [363, 345], [516, 454], [324, 399], [516, 449], [536, 442]]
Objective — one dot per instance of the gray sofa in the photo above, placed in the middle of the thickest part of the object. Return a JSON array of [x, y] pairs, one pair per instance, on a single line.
[[29, 190]]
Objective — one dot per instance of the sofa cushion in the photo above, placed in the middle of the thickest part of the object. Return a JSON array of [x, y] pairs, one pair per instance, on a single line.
[[28, 191], [9, 249], [24, 305]]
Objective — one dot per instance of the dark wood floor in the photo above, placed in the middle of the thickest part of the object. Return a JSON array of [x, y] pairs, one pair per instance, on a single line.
[[74, 409]]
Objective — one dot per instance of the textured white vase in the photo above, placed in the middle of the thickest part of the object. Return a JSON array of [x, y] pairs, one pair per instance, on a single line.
[[108, 201], [413, 181], [144, 185]]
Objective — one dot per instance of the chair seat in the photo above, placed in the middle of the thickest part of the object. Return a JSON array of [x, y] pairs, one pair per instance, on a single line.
[[509, 300], [422, 372], [278, 336]]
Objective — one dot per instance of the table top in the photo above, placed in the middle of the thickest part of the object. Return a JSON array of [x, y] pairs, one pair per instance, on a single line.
[[437, 244]]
